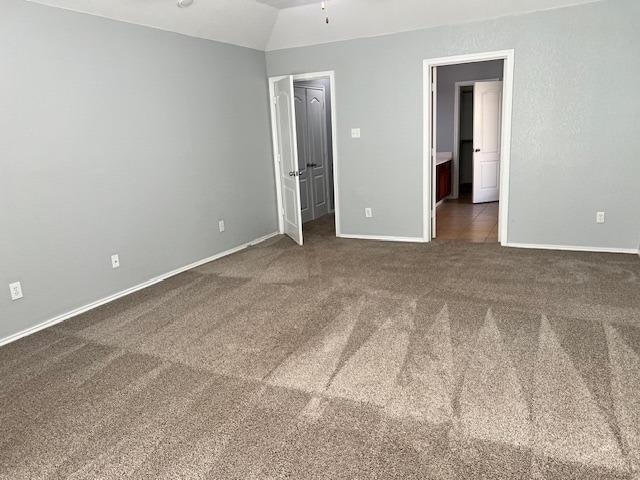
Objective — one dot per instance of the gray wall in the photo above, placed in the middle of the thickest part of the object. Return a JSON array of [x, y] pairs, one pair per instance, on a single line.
[[447, 78], [120, 138], [575, 140]]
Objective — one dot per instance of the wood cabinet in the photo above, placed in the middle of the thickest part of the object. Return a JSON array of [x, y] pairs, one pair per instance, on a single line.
[[443, 180]]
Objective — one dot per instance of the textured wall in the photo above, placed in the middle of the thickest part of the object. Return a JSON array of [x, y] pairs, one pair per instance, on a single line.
[[575, 141], [119, 138]]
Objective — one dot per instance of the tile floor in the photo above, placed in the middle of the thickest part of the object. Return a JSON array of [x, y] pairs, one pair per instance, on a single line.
[[461, 219]]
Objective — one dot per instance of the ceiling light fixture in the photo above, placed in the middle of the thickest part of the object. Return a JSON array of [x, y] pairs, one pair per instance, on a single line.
[[185, 3], [324, 9]]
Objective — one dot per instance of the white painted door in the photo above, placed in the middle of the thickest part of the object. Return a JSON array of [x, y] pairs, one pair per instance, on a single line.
[[487, 122], [288, 158]]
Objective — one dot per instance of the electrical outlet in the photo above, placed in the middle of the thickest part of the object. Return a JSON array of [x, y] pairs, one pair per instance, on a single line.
[[368, 213], [115, 261], [221, 225], [16, 290], [599, 217], [355, 133]]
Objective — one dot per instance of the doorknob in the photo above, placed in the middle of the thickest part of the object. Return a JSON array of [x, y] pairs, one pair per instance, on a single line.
[[294, 174], [477, 150]]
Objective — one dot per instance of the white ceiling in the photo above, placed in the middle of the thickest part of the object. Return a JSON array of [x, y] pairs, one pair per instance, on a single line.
[[351, 19], [276, 24], [280, 4], [242, 22]]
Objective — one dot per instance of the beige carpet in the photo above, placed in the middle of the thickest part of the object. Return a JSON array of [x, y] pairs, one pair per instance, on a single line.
[[342, 359]]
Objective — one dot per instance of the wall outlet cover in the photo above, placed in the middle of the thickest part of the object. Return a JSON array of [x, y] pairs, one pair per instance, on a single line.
[[16, 290], [115, 261], [600, 217], [355, 133], [221, 225], [368, 212]]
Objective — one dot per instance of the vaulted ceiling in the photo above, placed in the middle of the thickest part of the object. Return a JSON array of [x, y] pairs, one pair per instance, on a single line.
[[287, 3], [276, 24]]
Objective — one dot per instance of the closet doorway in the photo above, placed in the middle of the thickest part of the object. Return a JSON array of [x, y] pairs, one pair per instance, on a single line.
[[312, 100], [303, 120]]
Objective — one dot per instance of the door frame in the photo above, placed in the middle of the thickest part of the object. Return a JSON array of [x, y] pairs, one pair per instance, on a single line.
[[428, 153], [334, 142], [455, 176]]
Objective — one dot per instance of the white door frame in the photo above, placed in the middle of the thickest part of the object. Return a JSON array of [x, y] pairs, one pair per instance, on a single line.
[[334, 142], [455, 171], [428, 163]]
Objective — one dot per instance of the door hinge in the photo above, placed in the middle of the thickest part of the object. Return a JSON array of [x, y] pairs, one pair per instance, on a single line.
[[433, 87], [279, 157], [282, 211], [275, 100], [433, 152]]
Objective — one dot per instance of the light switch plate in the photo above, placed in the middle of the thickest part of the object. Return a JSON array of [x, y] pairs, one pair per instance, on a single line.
[[599, 217], [16, 290], [115, 261], [355, 133], [368, 212], [221, 225]]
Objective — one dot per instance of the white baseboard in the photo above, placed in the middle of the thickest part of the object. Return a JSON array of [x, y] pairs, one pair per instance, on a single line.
[[135, 288], [573, 248], [382, 238]]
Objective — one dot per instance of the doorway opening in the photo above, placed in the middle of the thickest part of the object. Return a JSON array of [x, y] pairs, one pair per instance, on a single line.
[[312, 99], [467, 112], [305, 153]]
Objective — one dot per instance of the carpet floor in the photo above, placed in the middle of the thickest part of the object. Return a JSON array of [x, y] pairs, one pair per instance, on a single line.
[[341, 359]]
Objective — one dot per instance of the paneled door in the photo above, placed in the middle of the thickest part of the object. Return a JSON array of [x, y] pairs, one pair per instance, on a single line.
[[487, 122], [311, 126], [288, 158], [300, 95]]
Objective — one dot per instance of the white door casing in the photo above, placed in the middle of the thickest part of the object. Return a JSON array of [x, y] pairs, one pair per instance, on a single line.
[[287, 150], [487, 122], [434, 147], [505, 151]]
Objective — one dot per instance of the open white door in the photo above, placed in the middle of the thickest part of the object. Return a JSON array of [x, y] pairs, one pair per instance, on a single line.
[[487, 122], [285, 120]]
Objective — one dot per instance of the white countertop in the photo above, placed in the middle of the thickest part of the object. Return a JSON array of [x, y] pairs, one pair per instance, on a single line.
[[443, 157]]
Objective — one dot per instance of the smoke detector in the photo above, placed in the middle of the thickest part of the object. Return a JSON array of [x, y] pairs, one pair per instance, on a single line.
[[185, 3]]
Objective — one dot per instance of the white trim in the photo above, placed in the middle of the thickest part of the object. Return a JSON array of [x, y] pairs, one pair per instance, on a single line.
[[433, 98], [426, 152], [123, 293], [455, 171], [574, 248], [334, 142], [274, 141], [505, 144], [382, 238]]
